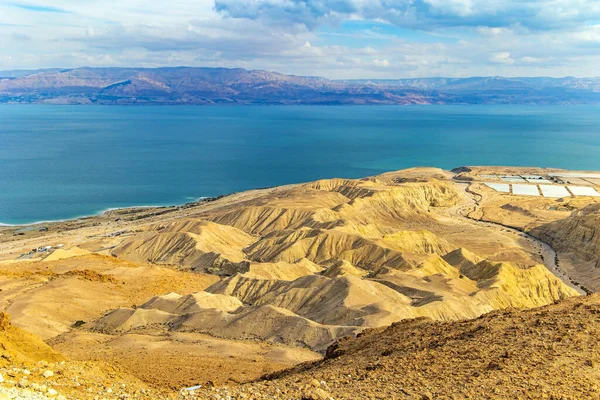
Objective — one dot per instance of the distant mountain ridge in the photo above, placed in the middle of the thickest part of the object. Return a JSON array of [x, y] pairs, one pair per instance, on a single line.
[[190, 85]]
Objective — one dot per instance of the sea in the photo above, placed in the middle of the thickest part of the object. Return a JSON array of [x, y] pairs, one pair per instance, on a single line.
[[61, 162]]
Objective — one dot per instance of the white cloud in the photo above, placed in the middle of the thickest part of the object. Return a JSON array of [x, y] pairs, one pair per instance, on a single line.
[[419, 14], [381, 63], [467, 37], [502, 58], [588, 34], [534, 60]]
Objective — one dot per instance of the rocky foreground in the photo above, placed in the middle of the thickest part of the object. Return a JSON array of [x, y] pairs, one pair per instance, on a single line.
[[32, 370], [550, 352]]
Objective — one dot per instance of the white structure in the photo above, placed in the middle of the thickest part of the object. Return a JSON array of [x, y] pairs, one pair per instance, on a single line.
[[575, 175], [535, 180], [532, 176], [554, 191], [584, 191], [499, 187], [525, 190], [516, 179]]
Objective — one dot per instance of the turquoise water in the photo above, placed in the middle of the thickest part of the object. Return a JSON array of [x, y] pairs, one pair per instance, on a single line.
[[60, 162]]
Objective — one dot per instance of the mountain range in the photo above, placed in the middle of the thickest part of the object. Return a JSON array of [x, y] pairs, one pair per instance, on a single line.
[[203, 86]]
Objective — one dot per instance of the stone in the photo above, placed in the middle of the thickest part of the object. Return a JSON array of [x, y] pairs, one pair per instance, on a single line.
[[313, 393], [48, 374], [51, 392]]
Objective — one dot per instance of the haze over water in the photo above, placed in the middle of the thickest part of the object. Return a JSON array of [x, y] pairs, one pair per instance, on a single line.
[[59, 162]]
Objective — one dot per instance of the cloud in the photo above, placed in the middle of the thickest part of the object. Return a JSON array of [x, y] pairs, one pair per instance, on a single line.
[[309, 13], [21, 37], [38, 8], [419, 14], [534, 60], [332, 38], [239, 39], [381, 63], [502, 58]]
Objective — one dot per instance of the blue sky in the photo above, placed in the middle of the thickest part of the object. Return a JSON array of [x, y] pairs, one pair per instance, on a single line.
[[331, 38]]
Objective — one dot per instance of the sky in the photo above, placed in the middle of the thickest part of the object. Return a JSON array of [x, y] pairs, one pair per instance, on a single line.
[[339, 39]]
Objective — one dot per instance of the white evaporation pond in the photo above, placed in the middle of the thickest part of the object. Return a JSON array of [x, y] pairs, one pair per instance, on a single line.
[[554, 191], [517, 179], [525, 190], [538, 181], [575, 175], [499, 187], [584, 191]]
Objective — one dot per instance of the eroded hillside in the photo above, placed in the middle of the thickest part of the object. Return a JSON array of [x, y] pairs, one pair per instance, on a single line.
[[233, 288], [570, 224], [543, 353], [360, 254], [30, 369], [578, 238]]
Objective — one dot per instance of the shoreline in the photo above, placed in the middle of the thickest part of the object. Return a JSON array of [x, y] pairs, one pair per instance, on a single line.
[[102, 213], [194, 200]]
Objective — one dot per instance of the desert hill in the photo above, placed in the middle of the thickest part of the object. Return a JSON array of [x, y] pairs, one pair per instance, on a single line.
[[578, 237], [30, 369], [349, 255], [549, 352], [19, 346]]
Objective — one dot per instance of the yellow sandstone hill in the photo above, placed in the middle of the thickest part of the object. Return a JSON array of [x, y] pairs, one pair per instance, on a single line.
[[193, 244], [332, 258], [30, 369], [18, 346]]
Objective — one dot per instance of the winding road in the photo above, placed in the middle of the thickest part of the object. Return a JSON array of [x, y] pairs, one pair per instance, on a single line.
[[549, 256]]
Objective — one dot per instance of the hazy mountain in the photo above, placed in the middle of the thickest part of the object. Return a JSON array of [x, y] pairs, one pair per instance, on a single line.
[[184, 85]]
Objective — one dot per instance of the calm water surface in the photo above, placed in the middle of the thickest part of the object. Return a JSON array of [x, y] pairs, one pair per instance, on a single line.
[[60, 162]]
